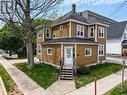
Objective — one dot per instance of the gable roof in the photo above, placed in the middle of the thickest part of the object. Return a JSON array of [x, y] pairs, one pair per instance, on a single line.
[[98, 17], [116, 30], [72, 40]]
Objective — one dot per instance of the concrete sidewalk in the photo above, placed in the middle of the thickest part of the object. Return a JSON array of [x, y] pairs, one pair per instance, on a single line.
[[26, 85], [103, 85], [61, 87]]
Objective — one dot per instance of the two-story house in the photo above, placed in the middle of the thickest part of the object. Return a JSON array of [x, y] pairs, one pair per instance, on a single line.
[[73, 41]]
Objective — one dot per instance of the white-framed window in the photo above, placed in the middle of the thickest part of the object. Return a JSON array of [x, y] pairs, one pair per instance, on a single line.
[[49, 51], [91, 31], [39, 48], [48, 33], [101, 50], [61, 27], [88, 52], [101, 31], [80, 31]]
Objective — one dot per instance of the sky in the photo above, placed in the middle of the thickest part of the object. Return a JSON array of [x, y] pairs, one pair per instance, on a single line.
[[103, 7]]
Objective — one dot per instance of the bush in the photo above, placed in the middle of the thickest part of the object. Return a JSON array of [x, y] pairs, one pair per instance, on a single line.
[[83, 70]]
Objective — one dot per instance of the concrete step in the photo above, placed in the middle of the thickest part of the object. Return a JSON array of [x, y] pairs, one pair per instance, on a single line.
[[67, 73], [66, 78]]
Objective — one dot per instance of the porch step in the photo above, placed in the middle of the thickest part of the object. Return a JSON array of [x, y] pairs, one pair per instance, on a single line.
[[66, 73]]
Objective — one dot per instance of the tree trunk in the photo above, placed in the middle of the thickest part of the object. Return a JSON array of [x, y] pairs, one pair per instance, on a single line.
[[30, 56]]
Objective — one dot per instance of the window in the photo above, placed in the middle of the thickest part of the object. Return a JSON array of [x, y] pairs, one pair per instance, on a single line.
[[91, 32], [61, 27], [80, 31], [40, 34], [39, 48], [88, 52], [101, 50], [101, 31], [49, 51], [48, 33]]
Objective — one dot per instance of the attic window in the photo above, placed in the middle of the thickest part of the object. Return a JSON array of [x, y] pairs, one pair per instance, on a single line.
[[61, 27]]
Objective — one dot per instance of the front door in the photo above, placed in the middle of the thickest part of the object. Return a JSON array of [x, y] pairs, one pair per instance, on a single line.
[[68, 56]]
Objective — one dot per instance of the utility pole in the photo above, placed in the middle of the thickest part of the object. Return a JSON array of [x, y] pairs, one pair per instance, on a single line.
[[122, 85]]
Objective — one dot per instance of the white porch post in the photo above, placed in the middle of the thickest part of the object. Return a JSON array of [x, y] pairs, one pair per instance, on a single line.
[[70, 29], [61, 50], [75, 51], [96, 33]]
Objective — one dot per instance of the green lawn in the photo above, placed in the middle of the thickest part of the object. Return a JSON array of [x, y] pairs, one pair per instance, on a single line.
[[43, 74], [9, 83], [117, 90], [98, 71]]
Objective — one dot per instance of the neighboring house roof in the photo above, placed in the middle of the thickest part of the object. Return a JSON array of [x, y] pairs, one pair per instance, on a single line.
[[72, 40], [98, 17], [116, 30]]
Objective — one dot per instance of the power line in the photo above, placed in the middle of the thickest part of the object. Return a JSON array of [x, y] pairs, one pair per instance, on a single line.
[[118, 9]]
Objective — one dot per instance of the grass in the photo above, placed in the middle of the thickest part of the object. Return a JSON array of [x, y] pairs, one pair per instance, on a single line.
[[42, 74], [117, 90], [98, 71], [9, 83]]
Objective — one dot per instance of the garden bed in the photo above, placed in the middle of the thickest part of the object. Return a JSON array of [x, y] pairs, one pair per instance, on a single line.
[[99, 71]]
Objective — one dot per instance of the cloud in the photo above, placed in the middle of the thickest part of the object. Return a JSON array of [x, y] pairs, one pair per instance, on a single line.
[[92, 2]]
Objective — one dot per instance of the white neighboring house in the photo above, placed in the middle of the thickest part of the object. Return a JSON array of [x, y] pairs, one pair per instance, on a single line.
[[116, 34]]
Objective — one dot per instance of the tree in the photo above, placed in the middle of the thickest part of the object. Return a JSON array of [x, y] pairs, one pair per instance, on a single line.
[[20, 14], [9, 41]]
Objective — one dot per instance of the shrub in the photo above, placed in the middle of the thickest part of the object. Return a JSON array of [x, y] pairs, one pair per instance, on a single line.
[[83, 70]]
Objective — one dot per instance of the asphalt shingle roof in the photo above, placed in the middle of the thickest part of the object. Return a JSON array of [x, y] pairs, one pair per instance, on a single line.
[[116, 30], [72, 39]]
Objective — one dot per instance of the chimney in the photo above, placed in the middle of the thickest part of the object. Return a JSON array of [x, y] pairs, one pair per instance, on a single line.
[[80, 13], [73, 8]]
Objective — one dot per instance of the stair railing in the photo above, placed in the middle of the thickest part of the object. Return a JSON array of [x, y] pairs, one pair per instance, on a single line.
[[61, 66], [74, 68]]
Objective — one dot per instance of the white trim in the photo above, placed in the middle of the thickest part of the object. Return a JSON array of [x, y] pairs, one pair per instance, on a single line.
[[81, 26], [61, 27], [45, 62], [39, 48], [61, 50], [60, 37], [89, 32], [78, 22], [102, 31], [70, 29], [102, 24], [70, 47], [49, 33], [103, 49], [70, 43], [48, 52], [89, 50], [96, 33], [81, 23], [75, 51]]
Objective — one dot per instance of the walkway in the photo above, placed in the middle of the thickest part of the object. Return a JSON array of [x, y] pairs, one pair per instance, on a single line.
[[24, 83], [61, 87], [103, 85]]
